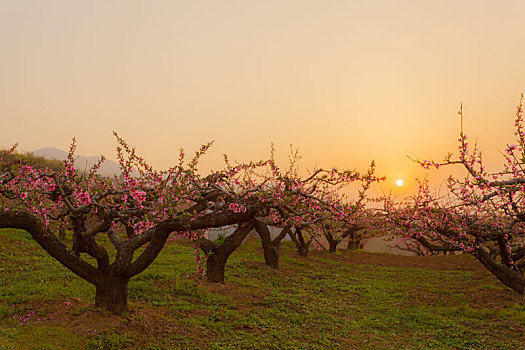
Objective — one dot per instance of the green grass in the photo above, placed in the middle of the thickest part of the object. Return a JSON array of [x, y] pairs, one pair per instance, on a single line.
[[320, 302]]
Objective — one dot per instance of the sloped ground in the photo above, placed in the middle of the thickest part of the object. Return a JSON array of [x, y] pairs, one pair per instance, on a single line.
[[325, 301]]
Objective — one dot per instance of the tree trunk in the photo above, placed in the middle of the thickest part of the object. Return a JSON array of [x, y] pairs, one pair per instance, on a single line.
[[277, 240], [511, 278], [300, 243], [112, 294], [354, 244], [218, 254], [332, 242], [354, 239], [271, 254], [302, 251], [215, 266]]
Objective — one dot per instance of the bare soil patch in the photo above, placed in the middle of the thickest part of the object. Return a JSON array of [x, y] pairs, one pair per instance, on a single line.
[[144, 322]]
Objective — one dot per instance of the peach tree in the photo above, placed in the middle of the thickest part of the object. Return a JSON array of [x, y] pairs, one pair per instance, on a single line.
[[484, 215], [139, 208]]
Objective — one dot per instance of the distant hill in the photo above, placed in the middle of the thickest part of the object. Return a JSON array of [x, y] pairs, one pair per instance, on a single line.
[[33, 160], [108, 168]]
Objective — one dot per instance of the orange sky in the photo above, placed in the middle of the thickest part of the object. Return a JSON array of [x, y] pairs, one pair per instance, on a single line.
[[344, 81]]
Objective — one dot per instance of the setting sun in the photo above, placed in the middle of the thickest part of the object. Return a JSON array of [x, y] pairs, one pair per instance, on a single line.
[[399, 182]]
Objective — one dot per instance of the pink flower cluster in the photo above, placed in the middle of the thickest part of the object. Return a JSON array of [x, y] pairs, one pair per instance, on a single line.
[[237, 208]]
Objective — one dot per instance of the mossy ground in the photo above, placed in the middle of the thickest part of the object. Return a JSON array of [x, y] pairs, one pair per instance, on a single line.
[[325, 301]]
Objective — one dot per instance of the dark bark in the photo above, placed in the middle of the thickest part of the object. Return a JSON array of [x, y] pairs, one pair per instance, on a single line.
[[442, 247], [158, 235], [519, 254], [111, 280], [271, 253], [505, 258], [354, 244], [111, 288], [215, 266], [330, 238], [354, 238], [332, 242], [511, 278], [218, 254], [301, 244], [26, 221], [509, 274], [112, 293], [277, 240]]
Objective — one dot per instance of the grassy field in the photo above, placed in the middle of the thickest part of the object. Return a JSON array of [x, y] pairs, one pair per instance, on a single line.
[[326, 301]]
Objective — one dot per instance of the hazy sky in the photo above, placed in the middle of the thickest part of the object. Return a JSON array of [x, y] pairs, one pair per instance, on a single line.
[[344, 81]]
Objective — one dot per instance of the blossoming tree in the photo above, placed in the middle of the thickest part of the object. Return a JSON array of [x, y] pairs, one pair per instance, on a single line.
[[295, 205], [301, 205], [132, 211], [355, 216], [288, 202], [485, 215]]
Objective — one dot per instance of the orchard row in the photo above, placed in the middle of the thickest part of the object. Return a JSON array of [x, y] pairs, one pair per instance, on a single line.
[[483, 214]]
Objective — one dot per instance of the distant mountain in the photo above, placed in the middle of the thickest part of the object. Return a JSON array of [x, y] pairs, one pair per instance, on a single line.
[[108, 168]]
